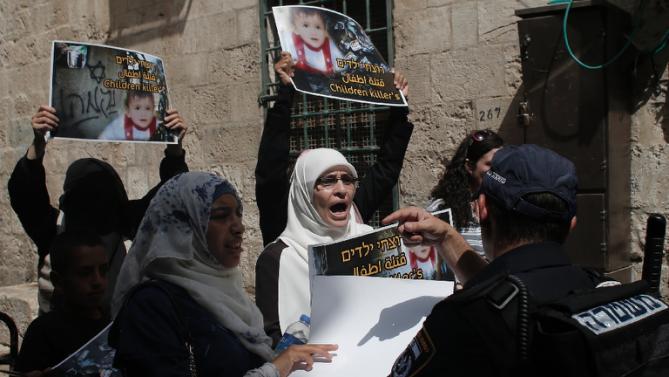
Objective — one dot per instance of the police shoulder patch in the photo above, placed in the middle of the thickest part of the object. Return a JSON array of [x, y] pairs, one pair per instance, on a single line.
[[415, 357], [617, 314]]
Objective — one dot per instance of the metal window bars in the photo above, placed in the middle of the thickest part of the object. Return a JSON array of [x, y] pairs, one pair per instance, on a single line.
[[318, 122]]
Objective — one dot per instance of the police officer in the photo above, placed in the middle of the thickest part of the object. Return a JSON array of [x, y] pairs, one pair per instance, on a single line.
[[527, 207]]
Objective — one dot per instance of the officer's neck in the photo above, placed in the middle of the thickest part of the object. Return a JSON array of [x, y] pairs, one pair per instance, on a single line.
[[503, 248]]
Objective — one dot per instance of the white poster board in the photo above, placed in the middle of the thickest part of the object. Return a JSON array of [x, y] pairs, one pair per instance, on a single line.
[[372, 319]]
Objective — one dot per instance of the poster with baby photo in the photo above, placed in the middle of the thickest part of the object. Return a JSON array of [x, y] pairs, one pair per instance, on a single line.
[[333, 57], [106, 93], [381, 252]]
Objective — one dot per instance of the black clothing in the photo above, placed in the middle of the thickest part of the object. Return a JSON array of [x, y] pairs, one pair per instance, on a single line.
[[273, 180], [455, 339], [30, 200], [267, 288], [150, 335], [545, 269], [52, 337]]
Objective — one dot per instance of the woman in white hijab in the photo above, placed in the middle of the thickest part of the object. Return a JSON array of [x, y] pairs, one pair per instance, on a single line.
[[320, 210], [180, 303]]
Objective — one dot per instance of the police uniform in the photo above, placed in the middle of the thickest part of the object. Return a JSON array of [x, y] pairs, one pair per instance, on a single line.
[[464, 331]]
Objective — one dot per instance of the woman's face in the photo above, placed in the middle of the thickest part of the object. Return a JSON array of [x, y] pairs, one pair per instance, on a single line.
[[481, 167], [225, 231], [333, 195]]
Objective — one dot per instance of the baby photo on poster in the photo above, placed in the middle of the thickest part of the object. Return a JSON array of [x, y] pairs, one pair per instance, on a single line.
[[106, 93], [333, 56]]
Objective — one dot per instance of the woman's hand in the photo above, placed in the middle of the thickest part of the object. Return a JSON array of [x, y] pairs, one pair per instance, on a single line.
[[401, 83], [284, 67], [301, 357], [44, 120], [174, 122]]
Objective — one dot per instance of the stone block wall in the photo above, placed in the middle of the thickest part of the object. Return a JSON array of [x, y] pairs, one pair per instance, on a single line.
[[461, 58], [211, 52]]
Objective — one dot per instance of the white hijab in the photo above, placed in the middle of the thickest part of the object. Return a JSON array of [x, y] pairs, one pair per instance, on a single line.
[[171, 245], [306, 227]]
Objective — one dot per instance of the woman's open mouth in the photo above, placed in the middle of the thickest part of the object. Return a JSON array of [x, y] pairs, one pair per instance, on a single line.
[[338, 208]]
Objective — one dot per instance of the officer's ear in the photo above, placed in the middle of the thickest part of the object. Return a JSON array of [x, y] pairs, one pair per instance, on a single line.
[[483, 209], [572, 223]]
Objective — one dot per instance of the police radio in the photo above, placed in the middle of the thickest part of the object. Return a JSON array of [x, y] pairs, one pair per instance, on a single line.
[[653, 252]]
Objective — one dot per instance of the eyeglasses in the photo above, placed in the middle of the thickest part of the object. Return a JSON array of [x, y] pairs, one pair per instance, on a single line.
[[331, 180]]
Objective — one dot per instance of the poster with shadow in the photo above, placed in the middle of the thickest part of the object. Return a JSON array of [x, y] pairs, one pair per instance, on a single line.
[[95, 358], [106, 93], [381, 253], [371, 319], [334, 57]]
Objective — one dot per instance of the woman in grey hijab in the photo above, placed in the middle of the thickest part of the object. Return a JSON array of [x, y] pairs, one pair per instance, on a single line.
[[181, 304]]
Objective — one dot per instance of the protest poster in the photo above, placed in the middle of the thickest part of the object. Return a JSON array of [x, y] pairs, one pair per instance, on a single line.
[[371, 319], [334, 57], [381, 253], [106, 93], [95, 358]]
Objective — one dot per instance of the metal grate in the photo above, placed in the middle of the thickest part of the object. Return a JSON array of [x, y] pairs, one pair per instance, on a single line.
[[355, 129]]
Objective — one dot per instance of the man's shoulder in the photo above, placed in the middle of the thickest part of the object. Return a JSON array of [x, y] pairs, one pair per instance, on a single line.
[[471, 299]]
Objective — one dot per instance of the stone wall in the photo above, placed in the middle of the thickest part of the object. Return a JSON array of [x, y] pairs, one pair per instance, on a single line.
[[650, 168], [461, 57]]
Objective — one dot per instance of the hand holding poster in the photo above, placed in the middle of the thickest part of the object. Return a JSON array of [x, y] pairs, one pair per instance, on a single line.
[[108, 94], [381, 253], [334, 57]]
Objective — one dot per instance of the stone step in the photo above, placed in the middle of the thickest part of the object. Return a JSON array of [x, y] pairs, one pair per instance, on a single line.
[[20, 303]]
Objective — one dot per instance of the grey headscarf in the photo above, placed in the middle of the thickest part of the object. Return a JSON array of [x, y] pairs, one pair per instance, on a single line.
[[171, 245]]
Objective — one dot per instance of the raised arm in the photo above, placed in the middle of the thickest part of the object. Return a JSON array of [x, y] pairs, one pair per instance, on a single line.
[[27, 185], [271, 173], [381, 177], [419, 227]]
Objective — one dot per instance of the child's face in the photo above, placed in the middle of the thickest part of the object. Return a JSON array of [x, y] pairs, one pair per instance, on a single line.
[[311, 29], [422, 252], [85, 281], [140, 110]]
